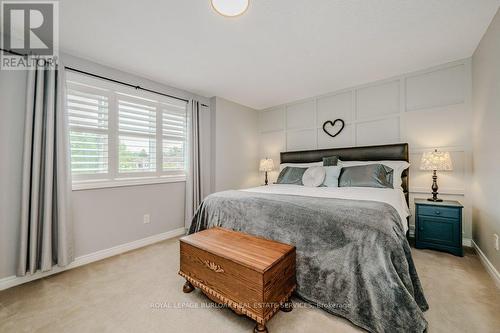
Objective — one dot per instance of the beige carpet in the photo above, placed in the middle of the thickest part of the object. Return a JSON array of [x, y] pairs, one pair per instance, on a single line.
[[131, 293]]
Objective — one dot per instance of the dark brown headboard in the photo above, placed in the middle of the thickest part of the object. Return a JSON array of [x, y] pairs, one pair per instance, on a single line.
[[394, 152]]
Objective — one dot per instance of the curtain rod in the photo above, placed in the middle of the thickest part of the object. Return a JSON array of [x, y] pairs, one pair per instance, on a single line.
[[109, 79], [126, 84]]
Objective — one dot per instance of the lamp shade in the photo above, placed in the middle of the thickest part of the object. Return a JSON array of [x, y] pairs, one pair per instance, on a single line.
[[266, 164], [436, 160]]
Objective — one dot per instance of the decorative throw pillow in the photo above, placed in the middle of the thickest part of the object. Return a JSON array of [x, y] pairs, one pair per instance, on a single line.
[[291, 175], [332, 174], [330, 161], [397, 166], [372, 175], [313, 176]]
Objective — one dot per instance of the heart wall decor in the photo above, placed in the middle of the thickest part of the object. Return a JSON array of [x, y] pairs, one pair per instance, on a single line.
[[332, 123]]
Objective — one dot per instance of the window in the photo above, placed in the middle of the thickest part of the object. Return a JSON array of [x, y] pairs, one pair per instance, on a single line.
[[136, 135], [88, 118], [173, 137], [121, 136]]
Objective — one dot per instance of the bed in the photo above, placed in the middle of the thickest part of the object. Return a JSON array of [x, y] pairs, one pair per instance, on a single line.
[[353, 257]]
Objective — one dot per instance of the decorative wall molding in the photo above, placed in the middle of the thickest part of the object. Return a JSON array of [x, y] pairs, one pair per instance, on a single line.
[[428, 109], [373, 103], [429, 82], [487, 265], [12, 281]]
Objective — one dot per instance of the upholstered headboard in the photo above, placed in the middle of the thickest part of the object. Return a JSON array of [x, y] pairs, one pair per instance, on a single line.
[[394, 152]]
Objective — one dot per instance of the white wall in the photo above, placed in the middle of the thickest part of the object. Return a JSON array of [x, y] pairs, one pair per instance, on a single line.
[[486, 134], [428, 109], [236, 156], [103, 218]]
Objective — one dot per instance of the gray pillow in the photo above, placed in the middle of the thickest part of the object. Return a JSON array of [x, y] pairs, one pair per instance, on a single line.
[[291, 175], [330, 160], [371, 175]]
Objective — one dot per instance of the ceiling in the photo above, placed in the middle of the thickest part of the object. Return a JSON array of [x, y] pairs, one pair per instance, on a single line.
[[279, 50]]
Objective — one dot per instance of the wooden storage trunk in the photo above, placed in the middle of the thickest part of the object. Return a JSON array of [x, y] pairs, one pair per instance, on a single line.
[[253, 276]]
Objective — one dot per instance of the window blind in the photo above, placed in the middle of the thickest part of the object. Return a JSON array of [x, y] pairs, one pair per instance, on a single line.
[[136, 134], [174, 135], [88, 109], [120, 135]]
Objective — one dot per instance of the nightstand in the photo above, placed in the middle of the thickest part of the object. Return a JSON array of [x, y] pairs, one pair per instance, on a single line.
[[438, 226]]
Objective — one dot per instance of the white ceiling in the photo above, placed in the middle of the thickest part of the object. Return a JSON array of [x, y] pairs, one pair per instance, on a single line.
[[279, 50]]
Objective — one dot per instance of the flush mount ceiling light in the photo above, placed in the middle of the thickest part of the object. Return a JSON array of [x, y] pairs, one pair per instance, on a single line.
[[230, 8]]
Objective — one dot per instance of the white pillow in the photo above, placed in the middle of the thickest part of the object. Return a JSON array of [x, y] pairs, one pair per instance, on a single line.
[[397, 166], [300, 165], [332, 174], [313, 176]]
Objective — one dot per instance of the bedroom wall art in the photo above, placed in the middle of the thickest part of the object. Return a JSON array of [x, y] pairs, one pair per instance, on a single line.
[[330, 129]]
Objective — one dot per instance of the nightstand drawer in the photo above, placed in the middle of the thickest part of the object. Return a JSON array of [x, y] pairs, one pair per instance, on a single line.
[[438, 226], [439, 230], [439, 211]]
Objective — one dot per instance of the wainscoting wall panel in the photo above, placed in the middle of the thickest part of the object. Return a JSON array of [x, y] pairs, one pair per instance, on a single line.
[[301, 115], [377, 132], [428, 109], [301, 139], [336, 106], [344, 139], [378, 100], [436, 88]]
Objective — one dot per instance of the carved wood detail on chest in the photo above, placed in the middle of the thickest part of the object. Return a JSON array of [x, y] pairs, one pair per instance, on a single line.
[[213, 266]]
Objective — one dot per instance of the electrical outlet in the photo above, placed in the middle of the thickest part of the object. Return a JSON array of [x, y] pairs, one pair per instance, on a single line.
[[146, 219], [497, 246]]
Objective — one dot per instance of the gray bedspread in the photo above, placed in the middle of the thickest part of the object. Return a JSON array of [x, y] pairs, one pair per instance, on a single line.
[[353, 259]]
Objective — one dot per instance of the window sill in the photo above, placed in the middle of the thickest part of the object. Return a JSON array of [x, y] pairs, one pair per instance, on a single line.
[[92, 185]]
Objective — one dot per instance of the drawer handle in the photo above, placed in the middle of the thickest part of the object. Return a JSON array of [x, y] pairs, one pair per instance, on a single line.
[[213, 266], [437, 212]]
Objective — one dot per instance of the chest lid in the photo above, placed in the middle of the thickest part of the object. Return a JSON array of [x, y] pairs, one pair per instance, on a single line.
[[256, 253]]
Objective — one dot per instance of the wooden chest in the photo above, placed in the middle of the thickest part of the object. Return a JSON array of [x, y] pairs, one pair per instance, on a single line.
[[253, 276]]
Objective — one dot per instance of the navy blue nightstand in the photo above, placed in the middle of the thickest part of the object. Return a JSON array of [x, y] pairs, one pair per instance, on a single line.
[[438, 225]]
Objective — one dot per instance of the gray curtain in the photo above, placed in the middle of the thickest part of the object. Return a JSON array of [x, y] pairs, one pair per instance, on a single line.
[[194, 184], [46, 232]]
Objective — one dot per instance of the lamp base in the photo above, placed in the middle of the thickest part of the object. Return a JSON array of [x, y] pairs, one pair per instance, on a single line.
[[434, 189]]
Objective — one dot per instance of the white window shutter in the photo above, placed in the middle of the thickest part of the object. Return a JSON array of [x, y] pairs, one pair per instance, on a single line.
[[88, 112], [174, 136], [136, 135], [122, 136]]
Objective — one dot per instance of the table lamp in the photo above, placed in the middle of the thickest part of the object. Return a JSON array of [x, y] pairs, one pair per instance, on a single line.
[[266, 164], [436, 161]]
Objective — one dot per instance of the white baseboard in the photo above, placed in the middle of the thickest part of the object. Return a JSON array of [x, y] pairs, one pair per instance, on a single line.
[[488, 265], [12, 281]]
